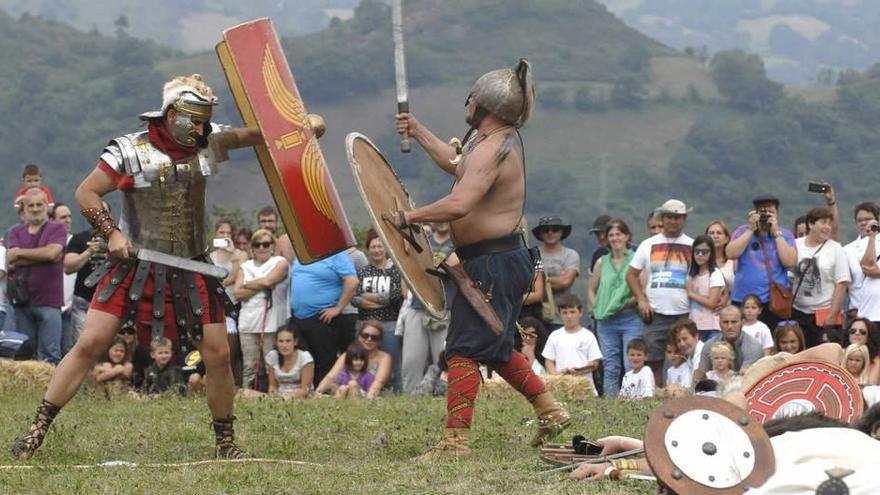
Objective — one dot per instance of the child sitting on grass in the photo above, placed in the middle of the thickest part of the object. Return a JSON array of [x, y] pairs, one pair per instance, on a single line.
[[572, 349], [354, 381], [723, 357], [638, 382], [291, 369], [113, 376], [163, 376]]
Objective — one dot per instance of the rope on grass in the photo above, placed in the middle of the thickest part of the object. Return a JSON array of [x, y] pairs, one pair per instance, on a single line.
[[127, 464]]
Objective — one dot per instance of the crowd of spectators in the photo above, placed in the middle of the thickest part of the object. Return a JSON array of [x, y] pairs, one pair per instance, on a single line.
[[671, 310]]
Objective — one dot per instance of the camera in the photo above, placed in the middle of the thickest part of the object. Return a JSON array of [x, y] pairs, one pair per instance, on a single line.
[[816, 187], [764, 217], [221, 242], [875, 227]]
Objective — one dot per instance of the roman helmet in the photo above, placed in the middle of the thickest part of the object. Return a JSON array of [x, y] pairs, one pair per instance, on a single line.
[[508, 93], [192, 99]]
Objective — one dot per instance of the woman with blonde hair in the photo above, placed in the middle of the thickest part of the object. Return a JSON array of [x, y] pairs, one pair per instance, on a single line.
[[261, 286]]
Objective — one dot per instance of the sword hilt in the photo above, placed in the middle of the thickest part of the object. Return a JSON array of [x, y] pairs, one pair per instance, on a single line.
[[405, 147]]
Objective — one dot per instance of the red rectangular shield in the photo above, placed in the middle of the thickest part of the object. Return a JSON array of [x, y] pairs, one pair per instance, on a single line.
[[299, 180]]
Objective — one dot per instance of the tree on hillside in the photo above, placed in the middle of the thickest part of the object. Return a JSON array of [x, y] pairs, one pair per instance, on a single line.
[[742, 80], [858, 95], [628, 92]]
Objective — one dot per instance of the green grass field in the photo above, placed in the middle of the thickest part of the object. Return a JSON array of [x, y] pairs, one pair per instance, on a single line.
[[345, 447]]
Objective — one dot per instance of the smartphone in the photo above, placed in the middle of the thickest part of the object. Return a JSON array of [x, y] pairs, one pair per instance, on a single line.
[[815, 187], [221, 242]]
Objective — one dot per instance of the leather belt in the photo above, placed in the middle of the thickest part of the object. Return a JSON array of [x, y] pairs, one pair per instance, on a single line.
[[491, 246]]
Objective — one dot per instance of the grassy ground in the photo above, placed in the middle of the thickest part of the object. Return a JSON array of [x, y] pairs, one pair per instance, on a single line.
[[356, 447]]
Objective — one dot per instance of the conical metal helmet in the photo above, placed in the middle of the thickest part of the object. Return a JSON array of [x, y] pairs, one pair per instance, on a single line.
[[507, 93]]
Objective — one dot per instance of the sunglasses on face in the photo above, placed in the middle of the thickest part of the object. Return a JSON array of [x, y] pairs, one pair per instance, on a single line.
[[262, 245], [552, 229], [860, 331], [132, 331], [786, 322], [702, 252], [371, 336]]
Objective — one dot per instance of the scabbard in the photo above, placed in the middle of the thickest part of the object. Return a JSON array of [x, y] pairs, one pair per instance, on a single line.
[[474, 296]]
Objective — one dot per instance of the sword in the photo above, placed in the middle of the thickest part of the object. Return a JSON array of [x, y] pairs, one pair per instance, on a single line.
[[400, 67], [178, 262]]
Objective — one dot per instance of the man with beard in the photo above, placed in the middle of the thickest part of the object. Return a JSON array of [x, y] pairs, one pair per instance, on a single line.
[[162, 174]]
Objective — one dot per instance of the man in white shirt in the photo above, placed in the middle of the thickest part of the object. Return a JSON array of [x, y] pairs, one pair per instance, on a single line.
[[572, 349], [864, 291], [667, 257]]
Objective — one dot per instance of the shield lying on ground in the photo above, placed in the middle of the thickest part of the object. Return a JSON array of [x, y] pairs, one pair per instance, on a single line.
[[300, 183], [803, 387], [708, 446], [383, 192]]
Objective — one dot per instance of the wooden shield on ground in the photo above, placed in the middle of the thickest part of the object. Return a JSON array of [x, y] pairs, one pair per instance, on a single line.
[[300, 183], [707, 445], [802, 387], [383, 192]]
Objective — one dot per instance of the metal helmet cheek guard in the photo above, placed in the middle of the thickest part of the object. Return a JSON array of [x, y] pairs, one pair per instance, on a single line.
[[187, 108], [507, 93]]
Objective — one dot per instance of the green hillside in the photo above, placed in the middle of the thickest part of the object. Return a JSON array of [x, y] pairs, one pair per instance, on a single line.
[[622, 122]]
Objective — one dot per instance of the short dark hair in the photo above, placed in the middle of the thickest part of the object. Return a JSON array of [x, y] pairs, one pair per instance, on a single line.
[[869, 206], [266, 211], [31, 169], [568, 301], [815, 214], [637, 344], [766, 199], [220, 222], [799, 220], [683, 324], [356, 351]]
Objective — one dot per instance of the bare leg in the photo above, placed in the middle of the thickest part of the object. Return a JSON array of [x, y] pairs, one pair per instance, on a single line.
[[220, 389], [100, 328], [219, 385], [354, 392], [342, 392]]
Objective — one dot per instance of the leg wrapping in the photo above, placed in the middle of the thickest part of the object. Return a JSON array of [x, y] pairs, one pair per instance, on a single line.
[[518, 373], [464, 384]]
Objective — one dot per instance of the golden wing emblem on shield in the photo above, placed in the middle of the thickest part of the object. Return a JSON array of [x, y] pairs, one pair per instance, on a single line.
[[291, 108]]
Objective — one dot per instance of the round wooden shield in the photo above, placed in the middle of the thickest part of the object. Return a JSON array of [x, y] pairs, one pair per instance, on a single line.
[[707, 445], [383, 192], [803, 387]]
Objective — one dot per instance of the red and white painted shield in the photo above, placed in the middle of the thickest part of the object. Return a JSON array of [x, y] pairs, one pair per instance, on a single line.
[[291, 159], [803, 387]]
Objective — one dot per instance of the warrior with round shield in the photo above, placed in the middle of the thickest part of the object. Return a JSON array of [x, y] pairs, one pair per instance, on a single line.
[[485, 209], [162, 174]]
